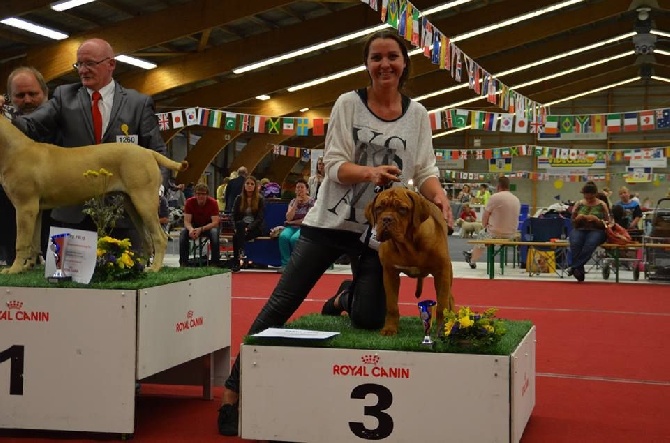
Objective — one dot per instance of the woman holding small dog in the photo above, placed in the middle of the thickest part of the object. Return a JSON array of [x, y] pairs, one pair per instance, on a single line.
[[376, 137], [589, 217]]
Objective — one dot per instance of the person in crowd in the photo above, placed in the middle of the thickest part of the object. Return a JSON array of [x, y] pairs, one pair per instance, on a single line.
[[164, 211], [499, 220], [297, 209], [315, 180], [95, 110], [248, 214], [608, 194], [377, 137], [465, 195], [632, 210], [589, 218], [235, 187], [27, 90], [483, 194], [189, 190], [201, 219], [220, 194]]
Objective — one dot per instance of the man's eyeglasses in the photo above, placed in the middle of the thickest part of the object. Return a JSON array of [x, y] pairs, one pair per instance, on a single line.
[[88, 65]]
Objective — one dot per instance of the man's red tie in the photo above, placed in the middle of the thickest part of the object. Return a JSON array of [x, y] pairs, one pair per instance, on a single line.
[[97, 117]]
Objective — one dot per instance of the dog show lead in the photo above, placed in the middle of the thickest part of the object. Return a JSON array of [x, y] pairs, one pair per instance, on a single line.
[[375, 134]]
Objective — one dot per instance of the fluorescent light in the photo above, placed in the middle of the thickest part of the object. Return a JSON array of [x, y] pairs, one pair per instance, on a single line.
[[135, 62], [309, 49], [442, 134], [661, 33], [593, 91], [661, 52], [662, 79], [304, 109], [263, 97], [68, 4], [35, 29], [328, 78], [570, 71], [515, 20], [443, 7]]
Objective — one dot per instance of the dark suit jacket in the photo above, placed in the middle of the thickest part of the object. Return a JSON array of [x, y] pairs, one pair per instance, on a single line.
[[234, 188], [66, 120]]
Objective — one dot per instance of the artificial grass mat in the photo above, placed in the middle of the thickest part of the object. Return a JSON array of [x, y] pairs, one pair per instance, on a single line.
[[409, 337], [35, 279]]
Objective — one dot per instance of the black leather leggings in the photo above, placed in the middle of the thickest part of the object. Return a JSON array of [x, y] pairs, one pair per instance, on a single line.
[[315, 251]]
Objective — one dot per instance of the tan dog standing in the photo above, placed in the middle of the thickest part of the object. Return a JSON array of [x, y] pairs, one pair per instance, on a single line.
[[413, 239], [40, 176]]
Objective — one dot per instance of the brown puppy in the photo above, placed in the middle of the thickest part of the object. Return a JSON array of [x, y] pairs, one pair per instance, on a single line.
[[40, 176], [413, 239]]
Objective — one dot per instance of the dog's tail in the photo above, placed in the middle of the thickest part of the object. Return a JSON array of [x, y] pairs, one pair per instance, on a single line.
[[170, 164]]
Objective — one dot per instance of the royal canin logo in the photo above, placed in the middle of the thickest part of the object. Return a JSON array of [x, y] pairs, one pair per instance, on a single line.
[[15, 312], [191, 322], [370, 367]]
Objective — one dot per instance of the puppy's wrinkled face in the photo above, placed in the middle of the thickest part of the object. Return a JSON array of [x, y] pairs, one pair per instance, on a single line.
[[391, 213]]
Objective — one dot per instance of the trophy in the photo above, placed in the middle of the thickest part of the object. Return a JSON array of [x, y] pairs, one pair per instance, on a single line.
[[58, 247], [427, 312]]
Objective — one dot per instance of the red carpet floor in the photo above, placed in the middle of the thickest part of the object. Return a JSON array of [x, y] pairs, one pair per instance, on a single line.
[[602, 359]]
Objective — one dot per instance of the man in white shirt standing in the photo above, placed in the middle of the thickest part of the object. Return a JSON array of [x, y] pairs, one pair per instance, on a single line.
[[500, 219]]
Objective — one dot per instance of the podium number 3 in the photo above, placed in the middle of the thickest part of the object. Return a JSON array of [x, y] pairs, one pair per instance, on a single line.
[[15, 356], [384, 401]]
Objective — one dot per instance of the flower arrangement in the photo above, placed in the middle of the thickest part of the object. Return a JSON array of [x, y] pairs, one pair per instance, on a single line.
[[472, 328], [105, 210], [115, 260]]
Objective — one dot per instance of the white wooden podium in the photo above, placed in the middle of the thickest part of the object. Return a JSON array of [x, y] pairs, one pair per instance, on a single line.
[[70, 358], [302, 394]]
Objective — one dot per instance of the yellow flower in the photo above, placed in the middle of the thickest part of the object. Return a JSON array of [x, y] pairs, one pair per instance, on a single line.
[[104, 171], [465, 322], [448, 326], [126, 260], [488, 328], [91, 173]]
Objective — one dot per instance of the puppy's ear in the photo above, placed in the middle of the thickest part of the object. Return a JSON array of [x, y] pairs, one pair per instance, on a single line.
[[370, 211], [421, 208]]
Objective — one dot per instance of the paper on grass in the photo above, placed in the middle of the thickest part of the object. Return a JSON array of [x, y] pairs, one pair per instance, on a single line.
[[300, 334]]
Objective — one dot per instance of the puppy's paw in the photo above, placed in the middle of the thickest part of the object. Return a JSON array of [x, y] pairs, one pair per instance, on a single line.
[[389, 330]]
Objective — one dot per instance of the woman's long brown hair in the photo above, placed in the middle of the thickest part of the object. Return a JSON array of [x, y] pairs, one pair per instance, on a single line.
[[255, 195]]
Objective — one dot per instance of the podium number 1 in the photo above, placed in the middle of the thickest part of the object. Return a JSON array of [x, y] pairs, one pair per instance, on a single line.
[[15, 355], [384, 401]]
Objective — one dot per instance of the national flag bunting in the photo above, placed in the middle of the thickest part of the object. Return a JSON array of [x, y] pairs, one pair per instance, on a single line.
[[630, 121], [163, 121]]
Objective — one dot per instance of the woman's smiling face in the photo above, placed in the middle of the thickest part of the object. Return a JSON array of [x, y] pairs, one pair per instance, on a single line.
[[385, 62]]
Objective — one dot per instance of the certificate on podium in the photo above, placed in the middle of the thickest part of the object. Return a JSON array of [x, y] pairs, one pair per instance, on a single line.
[[79, 255]]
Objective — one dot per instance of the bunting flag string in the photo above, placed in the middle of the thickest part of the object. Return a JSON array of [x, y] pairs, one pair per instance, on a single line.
[[655, 178], [259, 124], [551, 153], [291, 151]]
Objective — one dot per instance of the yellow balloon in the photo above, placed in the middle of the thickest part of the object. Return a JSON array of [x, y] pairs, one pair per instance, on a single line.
[[558, 184]]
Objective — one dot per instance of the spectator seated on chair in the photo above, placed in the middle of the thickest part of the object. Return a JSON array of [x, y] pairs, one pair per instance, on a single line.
[[201, 219], [248, 213], [588, 220], [467, 221], [297, 210]]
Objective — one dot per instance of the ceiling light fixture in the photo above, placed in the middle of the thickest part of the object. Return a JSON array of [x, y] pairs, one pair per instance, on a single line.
[[661, 52], [661, 33], [64, 5], [263, 97], [328, 78], [442, 134], [593, 91], [35, 29], [662, 79], [335, 41], [136, 62], [304, 109], [515, 20]]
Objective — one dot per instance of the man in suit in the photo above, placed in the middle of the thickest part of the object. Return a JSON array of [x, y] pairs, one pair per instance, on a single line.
[[95, 110], [27, 90]]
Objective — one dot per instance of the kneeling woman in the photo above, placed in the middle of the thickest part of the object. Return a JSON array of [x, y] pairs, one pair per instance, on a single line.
[[589, 217], [297, 210], [248, 213]]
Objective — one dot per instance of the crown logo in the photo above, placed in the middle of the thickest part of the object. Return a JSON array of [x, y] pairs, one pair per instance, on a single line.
[[14, 304], [370, 359], [189, 314]]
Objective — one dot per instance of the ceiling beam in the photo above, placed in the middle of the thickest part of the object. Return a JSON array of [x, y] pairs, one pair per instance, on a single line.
[[10, 8], [128, 36]]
